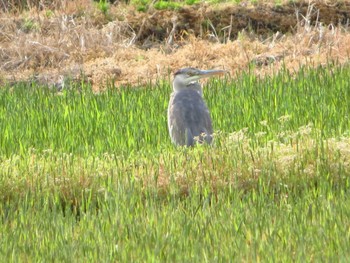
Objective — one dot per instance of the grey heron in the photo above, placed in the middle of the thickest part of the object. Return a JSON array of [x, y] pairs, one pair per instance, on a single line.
[[188, 115]]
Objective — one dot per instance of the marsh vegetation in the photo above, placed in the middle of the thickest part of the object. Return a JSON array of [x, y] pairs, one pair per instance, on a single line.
[[95, 177], [87, 169]]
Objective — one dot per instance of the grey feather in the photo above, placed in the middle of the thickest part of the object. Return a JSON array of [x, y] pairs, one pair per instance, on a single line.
[[189, 118]]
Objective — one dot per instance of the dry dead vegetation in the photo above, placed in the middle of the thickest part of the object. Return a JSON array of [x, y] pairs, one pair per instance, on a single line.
[[75, 39]]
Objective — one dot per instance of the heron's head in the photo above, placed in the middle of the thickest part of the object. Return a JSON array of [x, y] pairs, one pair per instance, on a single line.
[[188, 77]]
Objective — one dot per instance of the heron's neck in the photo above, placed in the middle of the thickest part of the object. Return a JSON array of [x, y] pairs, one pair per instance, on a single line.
[[193, 86]]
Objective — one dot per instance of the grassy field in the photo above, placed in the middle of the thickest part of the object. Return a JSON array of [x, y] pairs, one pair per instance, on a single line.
[[94, 177]]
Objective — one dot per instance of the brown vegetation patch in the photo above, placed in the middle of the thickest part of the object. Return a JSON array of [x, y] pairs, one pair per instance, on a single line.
[[236, 164], [228, 20], [128, 47]]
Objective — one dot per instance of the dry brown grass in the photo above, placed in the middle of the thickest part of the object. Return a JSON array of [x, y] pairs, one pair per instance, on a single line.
[[50, 45], [234, 164], [239, 165]]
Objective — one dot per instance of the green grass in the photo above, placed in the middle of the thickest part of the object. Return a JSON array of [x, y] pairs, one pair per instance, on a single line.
[[311, 226], [94, 177], [126, 121]]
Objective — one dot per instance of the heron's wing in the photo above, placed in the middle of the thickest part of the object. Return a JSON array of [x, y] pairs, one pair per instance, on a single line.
[[176, 123], [198, 120], [188, 117]]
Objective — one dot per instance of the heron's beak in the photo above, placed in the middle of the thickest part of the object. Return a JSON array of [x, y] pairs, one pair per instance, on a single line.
[[206, 73], [211, 72]]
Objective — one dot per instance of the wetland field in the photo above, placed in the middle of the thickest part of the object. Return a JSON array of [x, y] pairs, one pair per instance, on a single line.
[[87, 169]]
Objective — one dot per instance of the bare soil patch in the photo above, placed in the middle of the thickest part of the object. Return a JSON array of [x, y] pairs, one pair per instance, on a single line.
[[129, 47]]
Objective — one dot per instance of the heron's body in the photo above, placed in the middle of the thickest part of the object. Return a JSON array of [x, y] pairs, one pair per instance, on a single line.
[[189, 118], [188, 115]]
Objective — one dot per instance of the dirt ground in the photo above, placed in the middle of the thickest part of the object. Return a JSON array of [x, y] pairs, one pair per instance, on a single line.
[[125, 46]]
